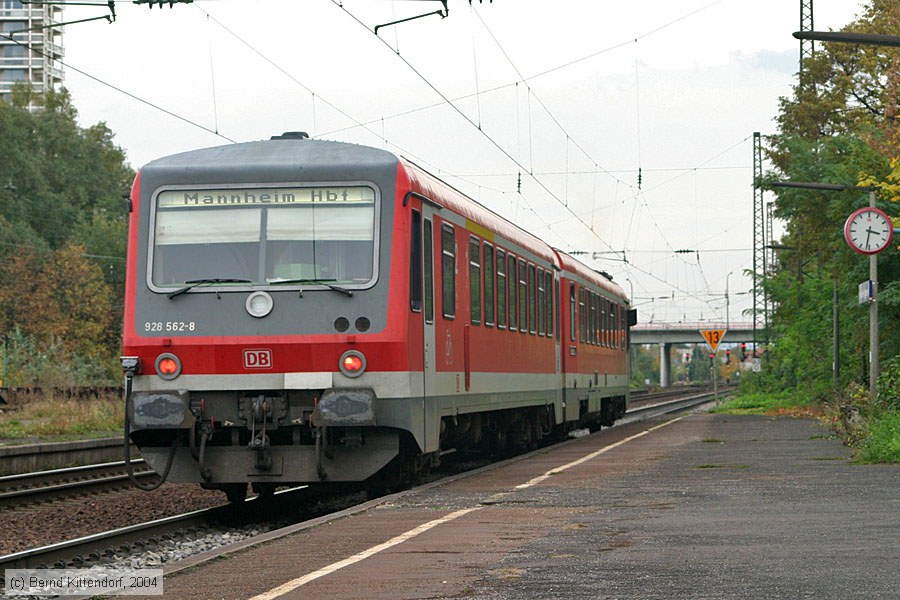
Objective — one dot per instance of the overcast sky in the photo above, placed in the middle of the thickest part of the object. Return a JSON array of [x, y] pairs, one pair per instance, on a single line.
[[576, 95]]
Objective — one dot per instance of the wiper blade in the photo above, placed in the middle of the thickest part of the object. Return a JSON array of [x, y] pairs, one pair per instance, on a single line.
[[195, 282], [325, 282]]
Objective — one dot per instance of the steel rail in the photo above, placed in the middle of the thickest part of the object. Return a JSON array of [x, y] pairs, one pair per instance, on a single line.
[[91, 547], [40, 485], [662, 408]]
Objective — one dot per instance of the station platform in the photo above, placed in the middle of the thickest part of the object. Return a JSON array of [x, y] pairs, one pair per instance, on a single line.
[[697, 506]]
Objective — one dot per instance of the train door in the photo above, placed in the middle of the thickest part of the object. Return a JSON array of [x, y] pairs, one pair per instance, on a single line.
[[432, 416]]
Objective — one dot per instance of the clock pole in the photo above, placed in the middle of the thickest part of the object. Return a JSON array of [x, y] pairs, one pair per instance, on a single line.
[[874, 367]]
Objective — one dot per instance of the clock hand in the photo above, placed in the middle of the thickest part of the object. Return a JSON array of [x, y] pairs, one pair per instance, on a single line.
[[868, 235]]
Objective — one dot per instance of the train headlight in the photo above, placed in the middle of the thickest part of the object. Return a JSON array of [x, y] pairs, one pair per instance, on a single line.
[[352, 363], [259, 304], [168, 366]]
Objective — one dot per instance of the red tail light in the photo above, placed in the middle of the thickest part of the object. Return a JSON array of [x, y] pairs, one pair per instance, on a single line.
[[168, 366], [352, 363]]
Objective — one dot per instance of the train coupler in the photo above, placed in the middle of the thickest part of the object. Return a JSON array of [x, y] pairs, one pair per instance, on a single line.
[[263, 449], [259, 412], [206, 429]]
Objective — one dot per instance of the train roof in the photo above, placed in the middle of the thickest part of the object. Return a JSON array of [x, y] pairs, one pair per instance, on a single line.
[[573, 266], [449, 197], [276, 157]]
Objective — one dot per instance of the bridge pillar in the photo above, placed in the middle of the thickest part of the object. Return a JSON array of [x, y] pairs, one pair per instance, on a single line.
[[665, 365]]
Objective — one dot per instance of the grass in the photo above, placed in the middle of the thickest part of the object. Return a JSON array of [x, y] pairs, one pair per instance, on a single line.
[[882, 444], [53, 419], [877, 441], [771, 404]]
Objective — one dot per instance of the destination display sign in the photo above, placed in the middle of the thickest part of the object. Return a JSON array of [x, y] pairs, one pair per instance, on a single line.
[[341, 195]]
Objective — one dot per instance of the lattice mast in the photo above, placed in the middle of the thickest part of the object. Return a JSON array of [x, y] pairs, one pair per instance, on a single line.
[[807, 47], [760, 270]]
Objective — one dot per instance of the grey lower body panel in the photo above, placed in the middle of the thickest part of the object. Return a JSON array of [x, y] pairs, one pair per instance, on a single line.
[[290, 464]]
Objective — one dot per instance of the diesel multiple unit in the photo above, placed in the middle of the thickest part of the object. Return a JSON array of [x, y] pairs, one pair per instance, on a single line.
[[303, 311]]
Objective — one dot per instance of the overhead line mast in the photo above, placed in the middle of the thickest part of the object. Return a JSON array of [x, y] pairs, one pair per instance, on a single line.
[[807, 47], [760, 297]]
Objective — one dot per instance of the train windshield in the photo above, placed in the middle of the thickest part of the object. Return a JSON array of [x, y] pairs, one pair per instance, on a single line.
[[265, 235]]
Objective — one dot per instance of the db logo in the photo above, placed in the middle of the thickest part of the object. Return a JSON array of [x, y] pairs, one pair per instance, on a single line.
[[258, 359]]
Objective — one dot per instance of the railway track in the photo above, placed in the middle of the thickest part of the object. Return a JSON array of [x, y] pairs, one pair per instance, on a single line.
[[95, 549], [42, 486]]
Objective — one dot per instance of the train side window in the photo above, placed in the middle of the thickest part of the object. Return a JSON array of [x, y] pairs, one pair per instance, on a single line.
[[415, 263], [488, 285], [448, 271], [475, 280], [592, 332], [572, 312], [523, 296], [610, 324], [588, 316], [532, 299], [513, 286], [589, 310], [582, 317], [617, 325], [557, 304], [429, 272], [541, 303], [501, 289], [548, 307], [603, 327]]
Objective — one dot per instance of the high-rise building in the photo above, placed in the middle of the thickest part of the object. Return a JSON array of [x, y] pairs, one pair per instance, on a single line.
[[30, 46]]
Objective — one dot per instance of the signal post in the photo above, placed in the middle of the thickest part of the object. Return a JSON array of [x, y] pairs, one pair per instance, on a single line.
[[713, 338]]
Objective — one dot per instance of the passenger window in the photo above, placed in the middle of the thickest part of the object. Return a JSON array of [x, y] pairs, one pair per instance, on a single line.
[[501, 289], [548, 307], [475, 280], [429, 273], [542, 303], [572, 312], [415, 263], [534, 303], [523, 296], [513, 286], [488, 285], [448, 271]]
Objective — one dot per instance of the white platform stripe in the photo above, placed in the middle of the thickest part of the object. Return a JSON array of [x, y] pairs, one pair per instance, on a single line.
[[300, 581], [295, 583], [592, 455]]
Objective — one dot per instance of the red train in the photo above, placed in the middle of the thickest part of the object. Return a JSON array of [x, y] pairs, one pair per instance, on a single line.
[[303, 311]]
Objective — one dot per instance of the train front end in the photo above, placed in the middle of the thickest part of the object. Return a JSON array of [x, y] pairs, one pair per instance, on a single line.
[[260, 345]]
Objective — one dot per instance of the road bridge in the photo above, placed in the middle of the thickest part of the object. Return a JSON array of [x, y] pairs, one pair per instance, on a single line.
[[667, 334]]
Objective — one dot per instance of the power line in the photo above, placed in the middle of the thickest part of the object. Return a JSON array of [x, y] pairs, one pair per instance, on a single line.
[[333, 106], [116, 88], [455, 108]]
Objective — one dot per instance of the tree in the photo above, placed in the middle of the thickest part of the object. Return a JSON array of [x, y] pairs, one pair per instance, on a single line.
[[62, 233], [840, 126]]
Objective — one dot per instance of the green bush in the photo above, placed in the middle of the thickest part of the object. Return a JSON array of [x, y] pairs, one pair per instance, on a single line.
[[882, 444], [888, 386], [27, 363]]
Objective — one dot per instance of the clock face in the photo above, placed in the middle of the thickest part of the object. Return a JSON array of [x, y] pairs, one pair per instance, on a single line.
[[869, 230]]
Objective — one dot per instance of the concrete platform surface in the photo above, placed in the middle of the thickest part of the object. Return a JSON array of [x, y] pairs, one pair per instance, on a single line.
[[703, 506]]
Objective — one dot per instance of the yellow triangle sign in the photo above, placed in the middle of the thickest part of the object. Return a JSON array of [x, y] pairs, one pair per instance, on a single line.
[[713, 337]]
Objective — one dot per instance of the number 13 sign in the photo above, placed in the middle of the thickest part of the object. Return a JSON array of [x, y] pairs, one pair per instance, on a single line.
[[713, 337]]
